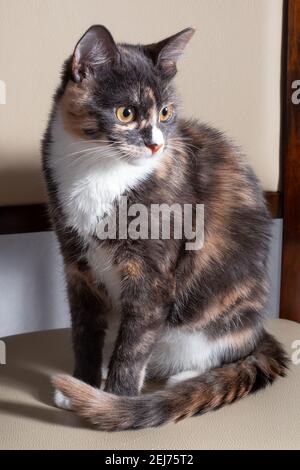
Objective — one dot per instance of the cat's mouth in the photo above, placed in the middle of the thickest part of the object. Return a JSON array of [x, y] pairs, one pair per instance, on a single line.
[[154, 151]]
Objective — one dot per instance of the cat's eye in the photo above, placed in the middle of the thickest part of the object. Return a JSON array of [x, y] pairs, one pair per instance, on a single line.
[[166, 113], [125, 114]]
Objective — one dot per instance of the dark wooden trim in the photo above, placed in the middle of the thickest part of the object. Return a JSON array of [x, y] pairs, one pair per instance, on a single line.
[[274, 202], [290, 135], [23, 219], [34, 218]]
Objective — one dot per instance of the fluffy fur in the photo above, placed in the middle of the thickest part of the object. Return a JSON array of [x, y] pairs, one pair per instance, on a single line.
[[149, 308]]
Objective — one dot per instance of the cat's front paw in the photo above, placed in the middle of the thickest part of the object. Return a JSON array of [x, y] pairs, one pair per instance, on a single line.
[[61, 401]]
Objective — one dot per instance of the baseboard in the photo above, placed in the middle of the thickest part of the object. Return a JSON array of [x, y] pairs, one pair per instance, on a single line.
[[24, 219]]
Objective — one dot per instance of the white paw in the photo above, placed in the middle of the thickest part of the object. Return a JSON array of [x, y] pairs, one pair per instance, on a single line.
[[181, 377], [62, 401], [104, 373]]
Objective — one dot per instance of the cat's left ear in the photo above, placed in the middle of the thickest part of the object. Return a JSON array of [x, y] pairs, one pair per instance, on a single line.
[[166, 53], [95, 48]]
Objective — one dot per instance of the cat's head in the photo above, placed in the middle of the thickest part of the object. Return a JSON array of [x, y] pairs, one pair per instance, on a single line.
[[121, 94]]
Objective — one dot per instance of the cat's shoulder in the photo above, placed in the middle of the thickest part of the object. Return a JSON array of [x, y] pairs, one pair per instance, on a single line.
[[210, 143], [201, 131]]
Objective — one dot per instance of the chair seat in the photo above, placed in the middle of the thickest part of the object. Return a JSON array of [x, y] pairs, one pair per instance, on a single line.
[[269, 419]]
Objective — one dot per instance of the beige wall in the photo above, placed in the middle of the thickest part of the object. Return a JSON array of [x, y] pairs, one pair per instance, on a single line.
[[229, 76]]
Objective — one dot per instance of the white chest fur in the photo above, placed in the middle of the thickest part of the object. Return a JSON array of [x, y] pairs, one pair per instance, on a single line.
[[90, 176]]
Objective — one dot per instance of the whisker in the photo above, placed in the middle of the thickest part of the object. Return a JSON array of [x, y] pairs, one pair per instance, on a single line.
[[90, 141], [87, 149]]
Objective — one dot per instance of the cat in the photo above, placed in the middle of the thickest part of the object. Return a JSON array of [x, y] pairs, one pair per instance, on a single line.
[[150, 307]]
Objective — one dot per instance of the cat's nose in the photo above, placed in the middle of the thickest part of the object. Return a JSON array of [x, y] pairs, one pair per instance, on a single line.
[[154, 147]]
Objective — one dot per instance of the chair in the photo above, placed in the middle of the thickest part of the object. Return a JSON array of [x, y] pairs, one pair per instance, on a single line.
[[269, 419]]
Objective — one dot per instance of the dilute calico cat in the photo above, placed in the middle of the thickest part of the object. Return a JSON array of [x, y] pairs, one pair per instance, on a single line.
[[150, 307]]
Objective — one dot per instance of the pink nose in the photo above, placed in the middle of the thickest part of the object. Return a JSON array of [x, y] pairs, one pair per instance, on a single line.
[[154, 147]]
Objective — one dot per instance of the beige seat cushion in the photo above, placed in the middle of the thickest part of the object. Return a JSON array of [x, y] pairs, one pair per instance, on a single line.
[[270, 419]]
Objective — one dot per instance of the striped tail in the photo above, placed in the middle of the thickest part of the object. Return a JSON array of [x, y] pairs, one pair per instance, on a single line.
[[198, 395]]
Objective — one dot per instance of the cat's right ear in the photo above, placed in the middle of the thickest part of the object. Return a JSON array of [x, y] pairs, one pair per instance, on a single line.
[[93, 50], [165, 53]]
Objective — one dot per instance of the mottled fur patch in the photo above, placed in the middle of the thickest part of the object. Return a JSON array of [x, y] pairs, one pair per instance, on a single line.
[[149, 306], [76, 112]]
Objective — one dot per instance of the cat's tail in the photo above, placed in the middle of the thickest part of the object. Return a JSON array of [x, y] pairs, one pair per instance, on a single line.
[[207, 392]]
